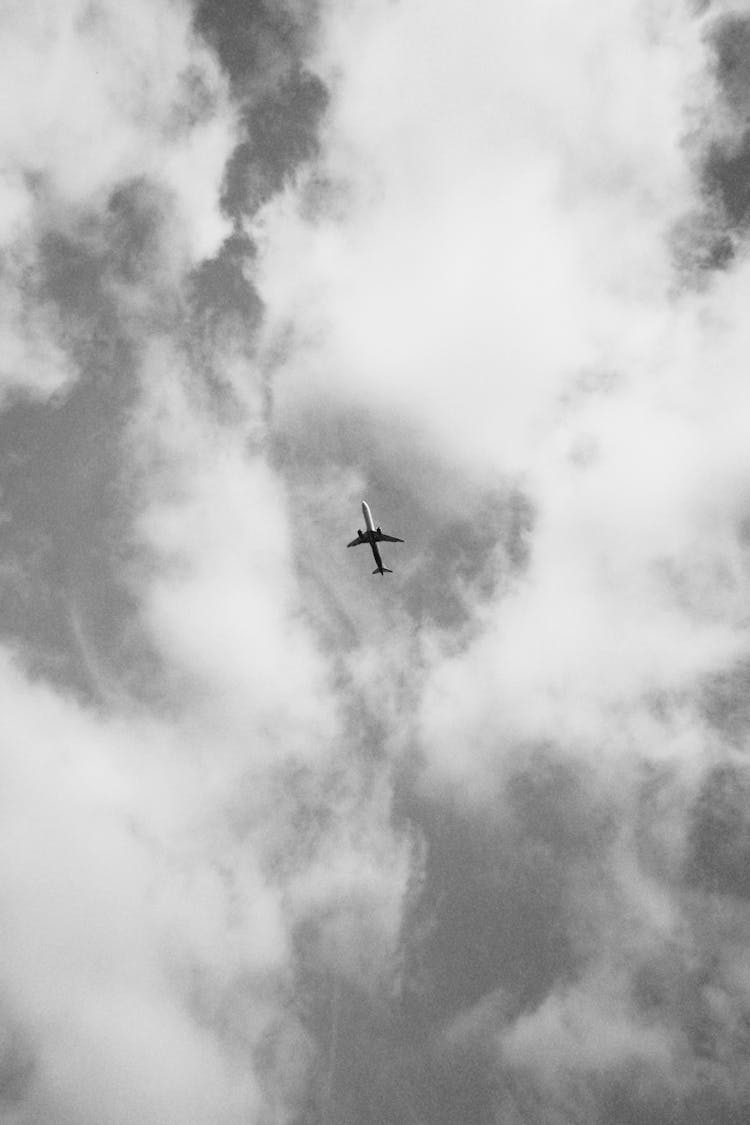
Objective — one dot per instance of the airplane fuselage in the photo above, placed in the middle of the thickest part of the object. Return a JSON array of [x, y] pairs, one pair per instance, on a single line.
[[370, 533]]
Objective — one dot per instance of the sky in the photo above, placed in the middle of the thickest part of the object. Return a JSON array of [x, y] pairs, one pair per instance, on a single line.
[[283, 842]]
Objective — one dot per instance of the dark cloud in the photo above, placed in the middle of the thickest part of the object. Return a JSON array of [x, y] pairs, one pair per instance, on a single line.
[[659, 819], [493, 934], [493, 912], [371, 1066], [719, 840], [726, 703], [17, 1065], [727, 175], [707, 239], [254, 39], [133, 230], [701, 243], [73, 269], [220, 291], [487, 937], [627, 1097], [65, 534], [263, 47], [730, 43], [474, 555], [282, 133], [64, 484], [491, 917], [225, 310], [86, 256], [689, 990]]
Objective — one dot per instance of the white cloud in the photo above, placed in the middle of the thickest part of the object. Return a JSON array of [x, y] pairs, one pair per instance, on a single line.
[[509, 195], [482, 255], [479, 257], [514, 178], [223, 608], [33, 359], [585, 1030], [91, 99], [93, 930]]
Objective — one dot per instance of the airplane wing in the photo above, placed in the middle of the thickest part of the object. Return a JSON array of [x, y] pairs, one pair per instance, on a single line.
[[382, 538], [356, 542]]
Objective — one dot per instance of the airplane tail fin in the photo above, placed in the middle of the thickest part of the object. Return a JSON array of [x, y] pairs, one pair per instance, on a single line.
[[383, 570]]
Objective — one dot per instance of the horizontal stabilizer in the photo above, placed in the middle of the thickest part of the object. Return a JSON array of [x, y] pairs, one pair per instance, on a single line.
[[382, 570]]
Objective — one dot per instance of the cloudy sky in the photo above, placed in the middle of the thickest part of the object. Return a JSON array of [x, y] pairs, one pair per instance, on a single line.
[[281, 842]]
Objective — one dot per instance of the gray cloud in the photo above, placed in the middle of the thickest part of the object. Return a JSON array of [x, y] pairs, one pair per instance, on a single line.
[[256, 39], [710, 237], [17, 1064], [720, 833], [282, 132]]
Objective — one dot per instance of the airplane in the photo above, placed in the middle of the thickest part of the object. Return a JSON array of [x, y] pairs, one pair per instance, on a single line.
[[373, 535]]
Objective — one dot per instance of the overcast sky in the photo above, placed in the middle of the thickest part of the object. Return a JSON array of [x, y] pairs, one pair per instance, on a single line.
[[282, 842]]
